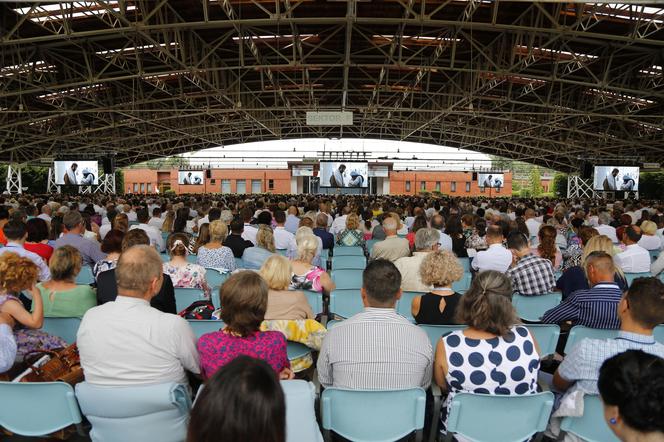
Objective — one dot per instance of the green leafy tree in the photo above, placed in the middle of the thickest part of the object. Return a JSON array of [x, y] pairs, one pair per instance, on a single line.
[[651, 185], [560, 185], [535, 182]]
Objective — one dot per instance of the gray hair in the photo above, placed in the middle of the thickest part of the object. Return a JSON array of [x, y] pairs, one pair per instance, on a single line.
[[226, 216], [604, 218], [389, 223], [425, 239]]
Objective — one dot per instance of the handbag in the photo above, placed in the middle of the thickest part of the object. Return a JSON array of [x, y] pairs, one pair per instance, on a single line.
[[201, 310], [64, 366]]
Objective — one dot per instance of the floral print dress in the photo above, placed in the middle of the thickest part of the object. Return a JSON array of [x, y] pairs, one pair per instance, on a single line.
[[188, 276]]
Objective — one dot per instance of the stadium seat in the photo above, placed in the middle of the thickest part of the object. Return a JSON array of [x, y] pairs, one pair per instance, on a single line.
[[157, 412], [654, 254], [435, 332], [66, 328], [164, 236], [85, 276], [346, 302], [296, 350], [283, 252], [38, 408], [184, 297], [546, 336], [532, 308], [239, 263], [465, 263], [200, 326], [404, 304], [301, 422], [659, 334], [630, 277], [315, 300], [324, 254], [215, 278], [498, 418], [370, 244], [192, 258], [462, 285], [345, 251], [590, 427], [347, 278], [373, 415], [165, 257], [349, 262], [579, 332]]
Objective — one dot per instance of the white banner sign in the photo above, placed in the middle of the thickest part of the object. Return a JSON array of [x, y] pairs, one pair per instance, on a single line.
[[303, 170], [329, 118], [651, 165], [379, 171]]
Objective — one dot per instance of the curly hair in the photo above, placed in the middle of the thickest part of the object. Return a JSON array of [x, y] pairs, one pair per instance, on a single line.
[[16, 273], [440, 269]]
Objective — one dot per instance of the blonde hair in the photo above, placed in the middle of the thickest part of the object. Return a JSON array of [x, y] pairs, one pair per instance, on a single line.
[[277, 272], [307, 246], [65, 264], [648, 228], [599, 243], [168, 222], [440, 269], [218, 231], [16, 273], [352, 222], [265, 238]]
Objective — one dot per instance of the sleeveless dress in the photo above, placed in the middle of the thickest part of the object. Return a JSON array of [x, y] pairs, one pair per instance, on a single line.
[[430, 309], [506, 365], [29, 340]]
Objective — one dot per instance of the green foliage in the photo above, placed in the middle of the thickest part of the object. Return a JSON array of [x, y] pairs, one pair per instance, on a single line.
[[560, 185], [535, 180], [651, 185], [119, 181]]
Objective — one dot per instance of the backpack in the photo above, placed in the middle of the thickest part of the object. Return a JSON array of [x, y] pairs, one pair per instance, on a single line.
[[198, 310]]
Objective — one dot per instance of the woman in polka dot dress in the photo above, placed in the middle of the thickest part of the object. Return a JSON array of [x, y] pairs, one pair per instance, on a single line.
[[493, 355]]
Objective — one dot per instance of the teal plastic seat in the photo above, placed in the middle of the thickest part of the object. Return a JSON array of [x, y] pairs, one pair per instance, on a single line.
[[654, 254], [38, 408], [370, 244], [435, 332], [347, 278], [315, 300], [465, 264], [404, 304], [202, 326], [324, 254], [296, 350], [659, 334], [546, 336], [158, 412], [373, 416], [498, 418], [239, 263], [346, 302], [590, 427], [283, 252], [85, 276], [348, 250], [301, 424], [164, 236], [349, 262], [165, 257], [192, 258], [579, 332], [65, 328], [532, 308], [630, 277], [462, 285], [184, 297], [215, 278]]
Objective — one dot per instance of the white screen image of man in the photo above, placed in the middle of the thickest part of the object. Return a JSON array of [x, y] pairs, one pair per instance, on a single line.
[[88, 177], [611, 181], [70, 175], [337, 177], [356, 179], [488, 181]]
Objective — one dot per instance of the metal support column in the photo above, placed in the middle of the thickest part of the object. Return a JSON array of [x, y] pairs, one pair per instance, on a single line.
[[106, 184], [51, 186], [14, 183], [580, 188]]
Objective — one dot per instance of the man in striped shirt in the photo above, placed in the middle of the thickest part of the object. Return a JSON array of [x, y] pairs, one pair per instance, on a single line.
[[595, 307], [377, 349]]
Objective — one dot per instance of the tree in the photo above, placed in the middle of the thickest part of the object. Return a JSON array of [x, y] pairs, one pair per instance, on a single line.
[[535, 182], [166, 163], [560, 185], [651, 185]]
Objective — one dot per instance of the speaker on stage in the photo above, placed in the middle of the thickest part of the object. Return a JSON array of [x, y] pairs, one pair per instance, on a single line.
[[586, 170], [109, 164], [474, 176], [208, 173]]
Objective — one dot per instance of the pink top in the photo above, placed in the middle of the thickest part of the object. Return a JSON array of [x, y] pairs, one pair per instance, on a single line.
[[217, 349], [558, 259]]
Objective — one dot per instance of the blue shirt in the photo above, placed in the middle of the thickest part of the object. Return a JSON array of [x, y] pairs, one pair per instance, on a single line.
[[254, 257], [594, 308], [582, 364], [325, 236], [292, 223], [90, 250]]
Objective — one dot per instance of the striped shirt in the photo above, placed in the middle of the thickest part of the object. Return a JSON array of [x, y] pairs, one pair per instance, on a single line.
[[594, 308], [377, 349], [532, 276]]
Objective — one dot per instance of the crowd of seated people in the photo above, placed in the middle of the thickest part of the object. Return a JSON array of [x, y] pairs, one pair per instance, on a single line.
[[276, 247]]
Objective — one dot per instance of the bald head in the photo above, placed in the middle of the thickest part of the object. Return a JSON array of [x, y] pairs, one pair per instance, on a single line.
[[139, 272], [390, 226]]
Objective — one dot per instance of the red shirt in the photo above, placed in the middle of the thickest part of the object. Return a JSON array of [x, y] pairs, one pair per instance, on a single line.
[[43, 250], [3, 240]]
